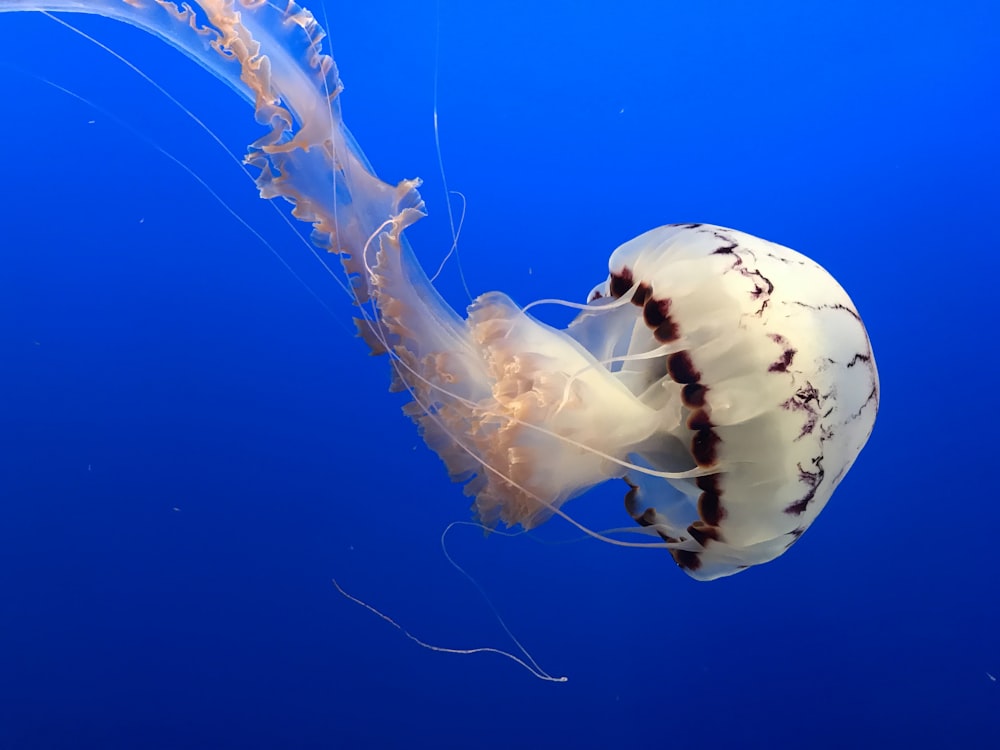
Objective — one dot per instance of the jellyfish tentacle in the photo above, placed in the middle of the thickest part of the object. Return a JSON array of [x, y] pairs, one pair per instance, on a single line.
[[527, 662]]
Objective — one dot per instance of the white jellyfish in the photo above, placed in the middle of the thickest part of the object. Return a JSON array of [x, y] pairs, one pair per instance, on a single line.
[[728, 380]]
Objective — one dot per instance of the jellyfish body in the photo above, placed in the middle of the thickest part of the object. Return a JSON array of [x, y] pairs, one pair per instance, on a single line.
[[728, 380], [771, 372]]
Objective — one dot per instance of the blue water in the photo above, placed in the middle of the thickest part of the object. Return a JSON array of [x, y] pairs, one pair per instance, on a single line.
[[192, 446]]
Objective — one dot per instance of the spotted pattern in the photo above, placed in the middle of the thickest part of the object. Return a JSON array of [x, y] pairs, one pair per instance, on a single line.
[[705, 442]]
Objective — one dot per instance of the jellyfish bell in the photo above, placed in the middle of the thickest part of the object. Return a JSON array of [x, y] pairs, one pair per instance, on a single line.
[[729, 381], [771, 372]]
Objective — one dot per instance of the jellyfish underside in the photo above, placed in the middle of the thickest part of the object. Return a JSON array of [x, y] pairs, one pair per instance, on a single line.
[[729, 381]]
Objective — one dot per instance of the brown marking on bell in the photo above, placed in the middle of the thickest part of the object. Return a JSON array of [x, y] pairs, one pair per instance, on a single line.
[[668, 332], [656, 314], [710, 508], [699, 420], [621, 282], [656, 311], [645, 517], [705, 447], [795, 535], [703, 533], [648, 518], [632, 499], [642, 293], [685, 226], [811, 418], [686, 559], [781, 365], [865, 358], [709, 483], [812, 480], [595, 296], [693, 395], [758, 290], [803, 400], [682, 369], [798, 507]]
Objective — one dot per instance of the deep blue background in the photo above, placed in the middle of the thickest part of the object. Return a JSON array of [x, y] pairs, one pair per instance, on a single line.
[[191, 446]]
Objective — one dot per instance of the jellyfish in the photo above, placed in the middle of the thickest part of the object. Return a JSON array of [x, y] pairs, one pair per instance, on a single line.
[[728, 381]]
